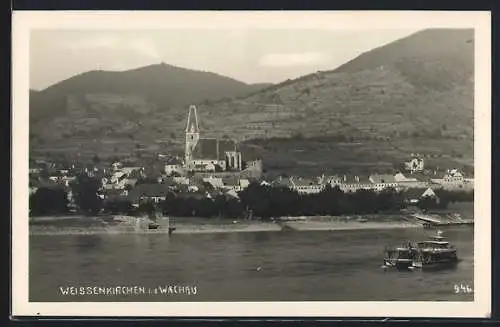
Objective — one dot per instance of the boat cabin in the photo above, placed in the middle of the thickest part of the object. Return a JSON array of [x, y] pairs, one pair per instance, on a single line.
[[434, 245], [437, 238], [399, 253]]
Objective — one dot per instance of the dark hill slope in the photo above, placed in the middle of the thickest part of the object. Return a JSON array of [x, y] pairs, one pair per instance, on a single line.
[[161, 86]]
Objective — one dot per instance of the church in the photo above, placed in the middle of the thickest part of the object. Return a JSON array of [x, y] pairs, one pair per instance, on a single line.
[[208, 154]]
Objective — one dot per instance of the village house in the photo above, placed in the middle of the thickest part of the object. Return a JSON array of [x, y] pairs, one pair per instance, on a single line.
[[382, 179], [121, 178], [332, 180], [400, 178], [116, 165], [181, 180], [90, 171], [214, 182], [149, 192], [62, 179], [381, 182], [232, 194], [284, 182], [299, 184], [415, 164], [130, 170], [346, 184], [355, 187], [306, 185], [349, 184], [410, 182], [414, 195], [112, 193], [234, 183], [174, 165], [454, 180], [117, 177]]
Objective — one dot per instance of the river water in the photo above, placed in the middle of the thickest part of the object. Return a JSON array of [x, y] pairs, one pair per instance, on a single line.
[[250, 266]]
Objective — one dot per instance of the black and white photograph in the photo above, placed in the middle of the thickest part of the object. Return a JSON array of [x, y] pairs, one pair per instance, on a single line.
[[251, 164]]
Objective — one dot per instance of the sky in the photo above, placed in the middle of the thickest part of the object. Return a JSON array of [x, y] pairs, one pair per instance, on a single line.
[[248, 55]]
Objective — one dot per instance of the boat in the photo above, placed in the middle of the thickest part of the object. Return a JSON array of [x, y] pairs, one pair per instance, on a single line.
[[153, 225], [400, 258], [433, 253]]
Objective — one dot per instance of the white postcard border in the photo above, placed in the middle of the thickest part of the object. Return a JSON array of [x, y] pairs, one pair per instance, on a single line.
[[25, 21]]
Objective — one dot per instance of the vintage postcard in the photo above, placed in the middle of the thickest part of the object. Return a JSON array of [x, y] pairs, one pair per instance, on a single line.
[[272, 164]]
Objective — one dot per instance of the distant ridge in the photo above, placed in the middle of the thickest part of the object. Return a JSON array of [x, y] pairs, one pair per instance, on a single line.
[[415, 94], [162, 85]]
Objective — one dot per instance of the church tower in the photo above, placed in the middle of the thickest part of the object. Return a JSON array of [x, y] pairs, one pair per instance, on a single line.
[[192, 134]]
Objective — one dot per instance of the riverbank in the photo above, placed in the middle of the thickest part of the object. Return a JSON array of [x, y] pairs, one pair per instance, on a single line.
[[194, 225], [81, 225]]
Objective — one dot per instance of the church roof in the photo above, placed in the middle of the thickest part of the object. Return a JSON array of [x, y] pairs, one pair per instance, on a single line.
[[213, 149], [206, 149], [192, 121]]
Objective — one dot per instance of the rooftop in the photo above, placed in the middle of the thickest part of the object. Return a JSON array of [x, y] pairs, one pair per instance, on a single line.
[[149, 190], [414, 193], [213, 149], [383, 178]]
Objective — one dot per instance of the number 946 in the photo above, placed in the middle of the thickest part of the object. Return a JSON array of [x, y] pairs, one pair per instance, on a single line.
[[463, 288]]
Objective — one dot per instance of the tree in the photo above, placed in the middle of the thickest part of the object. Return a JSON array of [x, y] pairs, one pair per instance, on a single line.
[[146, 180], [114, 159], [256, 198], [297, 135], [389, 199], [85, 190], [96, 159], [427, 203], [147, 207], [47, 201], [120, 206]]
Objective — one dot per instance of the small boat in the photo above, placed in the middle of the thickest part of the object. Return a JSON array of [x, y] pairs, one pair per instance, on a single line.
[[400, 258], [153, 225], [433, 253]]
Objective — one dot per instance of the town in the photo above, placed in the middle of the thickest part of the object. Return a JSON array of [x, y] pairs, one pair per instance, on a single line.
[[214, 169]]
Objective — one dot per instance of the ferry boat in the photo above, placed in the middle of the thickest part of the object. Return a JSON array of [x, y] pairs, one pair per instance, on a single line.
[[433, 253]]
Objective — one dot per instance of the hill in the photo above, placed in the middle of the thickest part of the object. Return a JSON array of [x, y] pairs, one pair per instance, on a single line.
[[154, 88], [412, 95]]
